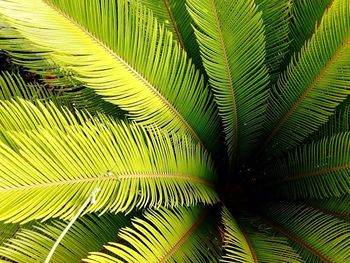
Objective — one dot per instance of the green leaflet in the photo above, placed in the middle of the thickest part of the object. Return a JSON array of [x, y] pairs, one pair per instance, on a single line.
[[305, 18], [88, 234], [323, 235], [319, 169], [276, 18], [120, 51], [179, 235], [231, 38], [314, 84], [58, 167], [176, 19]]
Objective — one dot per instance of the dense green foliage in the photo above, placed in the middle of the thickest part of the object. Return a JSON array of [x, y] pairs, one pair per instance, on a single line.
[[175, 131]]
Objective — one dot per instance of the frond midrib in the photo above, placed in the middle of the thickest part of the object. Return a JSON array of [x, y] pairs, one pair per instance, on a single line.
[[314, 82], [173, 176], [294, 238], [185, 236], [228, 76], [174, 24], [165, 102], [249, 242]]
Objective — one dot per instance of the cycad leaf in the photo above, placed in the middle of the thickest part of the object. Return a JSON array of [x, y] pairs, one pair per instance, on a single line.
[[306, 16], [317, 170], [174, 15], [307, 94], [237, 246], [336, 206], [269, 246], [327, 237], [49, 172], [180, 235], [231, 39], [276, 18], [119, 50], [87, 234]]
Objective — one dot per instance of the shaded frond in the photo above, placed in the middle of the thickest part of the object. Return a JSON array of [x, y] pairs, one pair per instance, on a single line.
[[237, 245], [119, 50], [57, 168], [232, 43], [276, 18], [88, 234], [179, 235], [336, 206], [316, 170], [325, 236], [306, 16], [314, 84]]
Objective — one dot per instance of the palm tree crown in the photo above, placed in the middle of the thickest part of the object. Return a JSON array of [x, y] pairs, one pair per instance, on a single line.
[[175, 131]]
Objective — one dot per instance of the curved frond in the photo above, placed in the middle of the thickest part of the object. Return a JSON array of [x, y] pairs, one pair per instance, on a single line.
[[306, 16], [232, 43], [179, 235], [336, 206], [57, 169], [317, 170], [314, 84], [276, 18], [88, 234], [325, 236], [237, 245], [119, 50]]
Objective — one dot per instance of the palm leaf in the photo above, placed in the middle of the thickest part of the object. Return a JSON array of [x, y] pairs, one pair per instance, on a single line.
[[180, 235], [317, 170], [314, 84], [58, 168], [276, 18], [232, 43], [336, 206], [116, 37], [176, 19], [324, 236], [306, 16], [88, 234], [237, 245]]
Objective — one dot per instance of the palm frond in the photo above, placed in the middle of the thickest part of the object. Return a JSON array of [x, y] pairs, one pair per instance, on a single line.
[[57, 168], [237, 245], [306, 16], [88, 234], [316, 170], [119, 50], [314, 84], [276, 18], [179, 235], [324, 236], [339, 122], [336, 206], [269, 246], [232, 43]]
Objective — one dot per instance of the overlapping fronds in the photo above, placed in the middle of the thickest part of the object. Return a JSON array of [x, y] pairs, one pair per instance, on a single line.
[[314, 84], [88, 234], [337, 123], [336, 206], [118, 49], [316, 170], [276, 18], [179, 235], [324, 236], [306, 16], [57, 168], [237, 245], [232, 43]]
